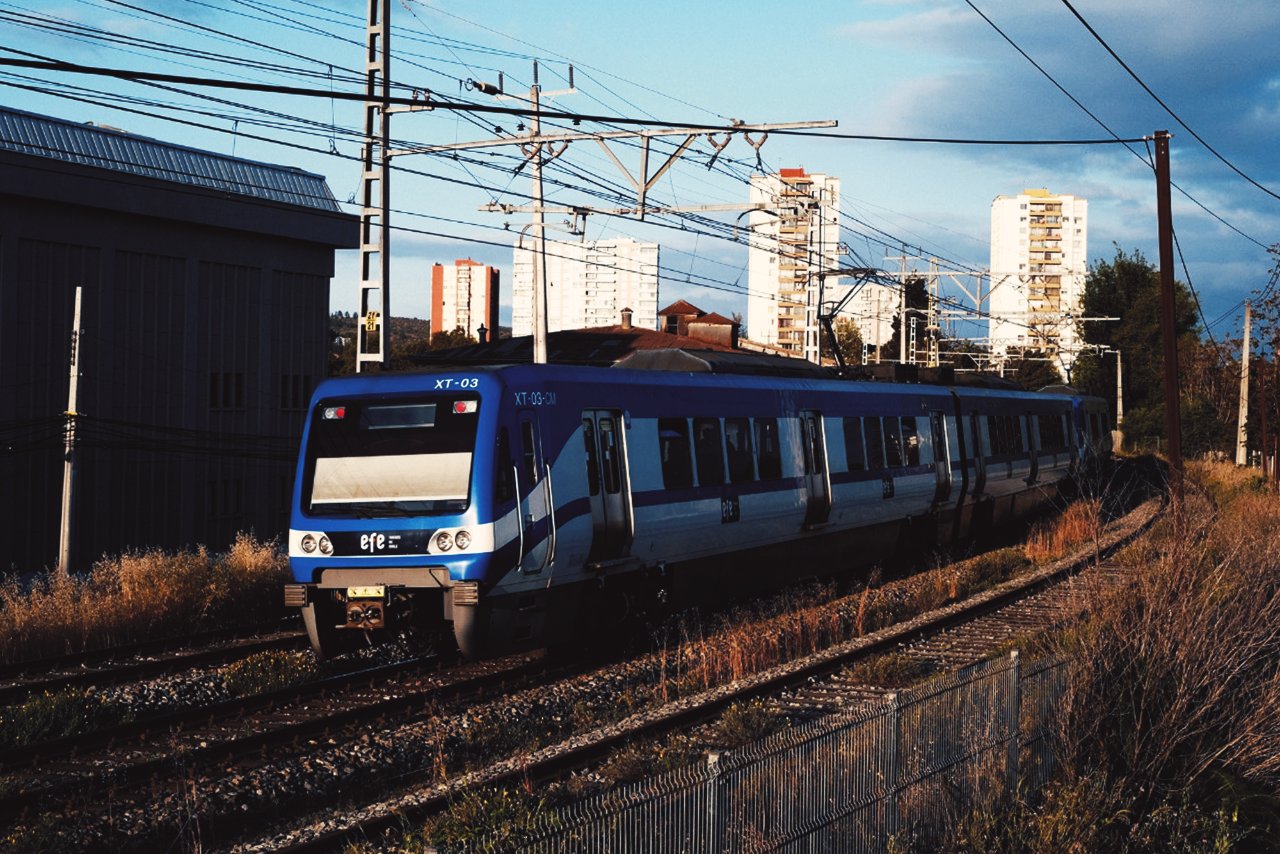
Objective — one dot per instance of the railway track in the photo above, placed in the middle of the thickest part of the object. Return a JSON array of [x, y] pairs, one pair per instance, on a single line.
[[146, 660], [954, 635], [239, 729]]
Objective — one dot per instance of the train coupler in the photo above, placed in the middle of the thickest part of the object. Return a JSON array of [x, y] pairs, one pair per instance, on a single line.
[[366, 607]]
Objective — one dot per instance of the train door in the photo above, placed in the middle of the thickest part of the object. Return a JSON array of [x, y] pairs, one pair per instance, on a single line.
[[537, 513], [979, 455], [608, 485], [817, 483], [941, 457]]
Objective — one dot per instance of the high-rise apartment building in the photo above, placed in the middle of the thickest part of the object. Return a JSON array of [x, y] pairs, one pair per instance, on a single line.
[[1039, 260], [794, 236], [588, 284], [464, 296]]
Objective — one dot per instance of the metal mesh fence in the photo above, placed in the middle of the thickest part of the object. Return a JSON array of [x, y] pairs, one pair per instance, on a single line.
[[902, 768]]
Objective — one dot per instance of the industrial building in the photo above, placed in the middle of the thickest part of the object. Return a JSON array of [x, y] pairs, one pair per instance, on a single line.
[[205, 292]]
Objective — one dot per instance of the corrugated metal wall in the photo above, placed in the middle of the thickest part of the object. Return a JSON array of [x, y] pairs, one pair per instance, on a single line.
[[199, 349]]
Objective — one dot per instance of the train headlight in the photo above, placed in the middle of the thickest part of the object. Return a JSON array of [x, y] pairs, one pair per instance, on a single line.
[[308, 543], [462, 539], [326, 547], [444, 541]]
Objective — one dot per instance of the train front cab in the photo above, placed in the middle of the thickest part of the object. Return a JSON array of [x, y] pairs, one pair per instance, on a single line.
[[392, 514]]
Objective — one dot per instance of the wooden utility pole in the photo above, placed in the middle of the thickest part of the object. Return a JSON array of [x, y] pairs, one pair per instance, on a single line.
[[69, 455], [1242, 422], [1168, 327], [1262, 402]]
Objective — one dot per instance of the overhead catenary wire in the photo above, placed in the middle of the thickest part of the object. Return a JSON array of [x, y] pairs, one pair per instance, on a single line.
[[887, 242]]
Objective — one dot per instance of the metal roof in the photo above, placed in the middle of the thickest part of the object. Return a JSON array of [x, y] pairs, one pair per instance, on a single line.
[[104, 148]]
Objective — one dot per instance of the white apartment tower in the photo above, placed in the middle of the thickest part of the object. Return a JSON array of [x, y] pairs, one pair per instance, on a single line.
[[794, 235], [588, 284], [1039, 260], [464, 296]]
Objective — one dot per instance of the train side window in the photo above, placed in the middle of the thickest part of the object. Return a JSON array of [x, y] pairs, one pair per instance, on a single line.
[[528, 452], [854, 453], [769, 449], [910, 440], [708, 451], [892, 441], [609, 457], [504, 488], [673, 444], [875, 443], [737, 442]]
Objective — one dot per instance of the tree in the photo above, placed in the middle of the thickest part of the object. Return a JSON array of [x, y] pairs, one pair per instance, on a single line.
[[848, 341], [917, 299], [1128, 287], [1032, 369]]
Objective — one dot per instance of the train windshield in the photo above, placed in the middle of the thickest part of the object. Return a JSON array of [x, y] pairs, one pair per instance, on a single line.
[[390, 457]]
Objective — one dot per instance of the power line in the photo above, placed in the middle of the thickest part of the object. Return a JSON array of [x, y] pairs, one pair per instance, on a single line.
[[44, 64], [1166, 107]]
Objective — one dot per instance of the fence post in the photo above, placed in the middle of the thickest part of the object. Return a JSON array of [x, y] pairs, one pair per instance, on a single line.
[[1015, 741], [891, 770], [714, 835]]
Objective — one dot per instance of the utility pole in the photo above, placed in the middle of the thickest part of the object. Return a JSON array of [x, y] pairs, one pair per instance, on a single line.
[[1172, 419], [373, 333], [538, 150], [1119, 392], [69, 453], [1242, 422], [1262, 400], [902, 309]]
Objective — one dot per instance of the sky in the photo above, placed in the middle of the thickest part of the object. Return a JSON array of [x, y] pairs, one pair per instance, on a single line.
[[895, 68]]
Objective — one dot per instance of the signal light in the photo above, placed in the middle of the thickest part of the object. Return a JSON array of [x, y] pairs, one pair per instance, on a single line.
[[465, 407], [335, 413]]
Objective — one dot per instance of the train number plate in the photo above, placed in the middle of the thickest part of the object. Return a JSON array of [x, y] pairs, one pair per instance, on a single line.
[[376, 591]]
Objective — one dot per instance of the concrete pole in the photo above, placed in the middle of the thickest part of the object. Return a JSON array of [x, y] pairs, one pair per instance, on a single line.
[[540, 330], [1242, 422], [902, 311], [1119, 434], [69, 455]]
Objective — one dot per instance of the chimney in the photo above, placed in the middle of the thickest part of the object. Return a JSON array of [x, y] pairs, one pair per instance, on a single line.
[[626, 318]]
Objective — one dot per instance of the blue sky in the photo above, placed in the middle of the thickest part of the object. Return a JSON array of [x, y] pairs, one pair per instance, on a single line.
[[893, 67]]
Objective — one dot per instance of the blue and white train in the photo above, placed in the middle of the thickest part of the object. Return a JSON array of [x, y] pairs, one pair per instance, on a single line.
[[526, 504]]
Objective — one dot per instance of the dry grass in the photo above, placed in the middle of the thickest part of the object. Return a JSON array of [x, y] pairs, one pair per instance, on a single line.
[[694, 656], [1081, 523], [1169, 735], [138, 596]]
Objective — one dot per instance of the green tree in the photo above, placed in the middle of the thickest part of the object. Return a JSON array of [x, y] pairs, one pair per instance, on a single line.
[[848, 341], [1128, 287], [1033, 370], [917, 307]]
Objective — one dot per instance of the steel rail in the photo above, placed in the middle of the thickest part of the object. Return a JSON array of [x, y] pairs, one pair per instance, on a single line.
[[676, 717]]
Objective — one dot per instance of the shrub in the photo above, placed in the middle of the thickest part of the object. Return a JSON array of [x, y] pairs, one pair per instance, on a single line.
[[504, 816], [269, 671], [56, 715], [744, 723]]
